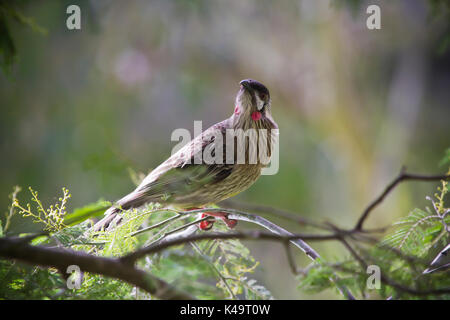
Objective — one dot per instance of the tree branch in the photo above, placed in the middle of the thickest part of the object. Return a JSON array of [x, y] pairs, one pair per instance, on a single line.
[[277, 234], [123, 268], [244, 235], [285, 214], [402, 176], [17, 249]]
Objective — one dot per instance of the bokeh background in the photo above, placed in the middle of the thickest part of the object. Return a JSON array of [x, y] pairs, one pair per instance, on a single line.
[[82, 109]]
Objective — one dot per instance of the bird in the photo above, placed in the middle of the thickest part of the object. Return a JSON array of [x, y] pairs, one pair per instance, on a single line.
[[188, 181]]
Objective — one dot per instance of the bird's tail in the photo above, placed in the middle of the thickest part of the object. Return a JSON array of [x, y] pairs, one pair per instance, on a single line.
[[112, 215], [111, 219]]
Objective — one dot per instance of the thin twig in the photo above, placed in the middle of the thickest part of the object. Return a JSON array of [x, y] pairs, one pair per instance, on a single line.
[[9, 216], [390, 282], [402, 176], [213, 267], [157, 225], [285, 214], [247, 235]]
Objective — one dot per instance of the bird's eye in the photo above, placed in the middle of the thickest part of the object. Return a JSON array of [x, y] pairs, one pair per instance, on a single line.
[[263, 96]]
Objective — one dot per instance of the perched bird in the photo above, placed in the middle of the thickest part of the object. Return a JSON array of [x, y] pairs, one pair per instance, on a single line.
[[187, 180]]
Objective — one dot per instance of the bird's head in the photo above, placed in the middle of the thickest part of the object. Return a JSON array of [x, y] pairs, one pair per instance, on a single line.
[[252, 100]]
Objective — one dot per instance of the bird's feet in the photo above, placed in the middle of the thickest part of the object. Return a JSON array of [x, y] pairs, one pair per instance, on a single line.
[[208, 224]]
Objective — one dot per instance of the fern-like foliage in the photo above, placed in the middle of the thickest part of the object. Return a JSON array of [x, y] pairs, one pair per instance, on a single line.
[[209, 269], [402, 256]]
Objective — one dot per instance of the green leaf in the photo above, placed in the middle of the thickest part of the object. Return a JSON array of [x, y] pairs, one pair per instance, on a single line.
[[446, 159], [39, 240], [86, 212]]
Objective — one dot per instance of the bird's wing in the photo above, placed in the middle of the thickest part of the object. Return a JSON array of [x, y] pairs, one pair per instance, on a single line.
[[181, 175]]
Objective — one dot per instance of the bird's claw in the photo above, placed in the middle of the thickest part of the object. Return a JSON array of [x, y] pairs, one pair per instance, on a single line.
[[208, 224]]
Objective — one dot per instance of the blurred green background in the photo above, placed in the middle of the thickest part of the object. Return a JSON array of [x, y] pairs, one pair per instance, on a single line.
[[81, 108]]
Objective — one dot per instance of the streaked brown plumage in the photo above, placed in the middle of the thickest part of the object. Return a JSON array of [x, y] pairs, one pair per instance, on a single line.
[[185, 183]]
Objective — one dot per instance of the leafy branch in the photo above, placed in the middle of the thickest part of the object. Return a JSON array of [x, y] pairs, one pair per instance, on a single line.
[[52, 218], [168, 233], [18, 249]]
